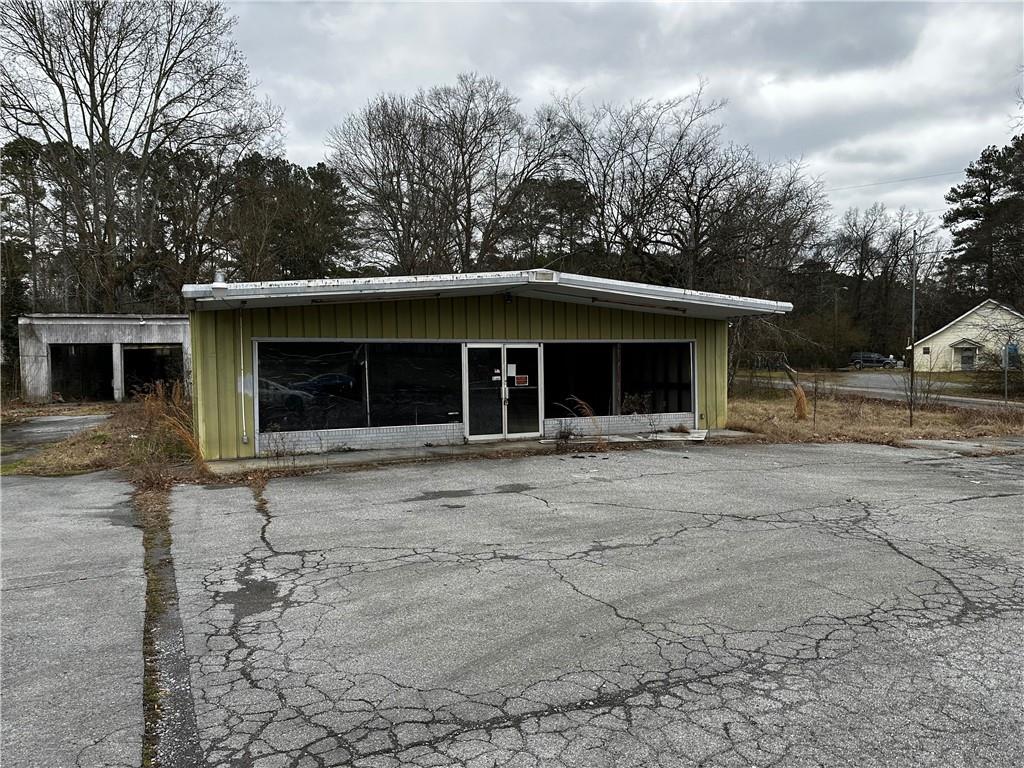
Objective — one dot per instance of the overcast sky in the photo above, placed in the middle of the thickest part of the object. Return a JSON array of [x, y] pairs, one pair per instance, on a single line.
[[863, 92]]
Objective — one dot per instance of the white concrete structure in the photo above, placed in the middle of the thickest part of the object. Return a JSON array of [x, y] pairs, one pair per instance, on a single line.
[[976, 338], [39, 336]]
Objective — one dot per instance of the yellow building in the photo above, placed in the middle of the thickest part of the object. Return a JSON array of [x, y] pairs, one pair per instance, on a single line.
[[320, 365]]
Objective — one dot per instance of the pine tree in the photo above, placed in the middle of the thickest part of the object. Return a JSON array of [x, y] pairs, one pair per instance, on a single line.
[[987, 221]]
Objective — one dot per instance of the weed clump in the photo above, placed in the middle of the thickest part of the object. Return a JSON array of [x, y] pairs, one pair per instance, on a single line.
[[167, 432], [151, 437]]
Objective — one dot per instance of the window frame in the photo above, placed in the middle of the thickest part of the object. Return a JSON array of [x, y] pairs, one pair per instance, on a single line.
[[252, 391]]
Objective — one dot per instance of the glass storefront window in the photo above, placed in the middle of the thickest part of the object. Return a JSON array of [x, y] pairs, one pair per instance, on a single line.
[[324, 385], [656, 378], [311, 385], [415, 384], [578, 373]]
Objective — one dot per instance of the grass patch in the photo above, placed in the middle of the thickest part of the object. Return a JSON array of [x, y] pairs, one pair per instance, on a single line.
[[151, 438], [87, 451], [863, 420], [18, 411], [152, 509], [12, 468]]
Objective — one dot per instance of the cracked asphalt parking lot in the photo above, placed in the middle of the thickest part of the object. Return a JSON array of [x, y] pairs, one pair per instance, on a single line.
[[836, 605]]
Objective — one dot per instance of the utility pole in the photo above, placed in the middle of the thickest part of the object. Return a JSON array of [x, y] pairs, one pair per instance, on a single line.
[[913, 322], [835, 327]]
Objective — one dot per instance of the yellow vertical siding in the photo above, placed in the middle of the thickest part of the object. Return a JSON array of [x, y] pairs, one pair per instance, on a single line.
[[220, 394]]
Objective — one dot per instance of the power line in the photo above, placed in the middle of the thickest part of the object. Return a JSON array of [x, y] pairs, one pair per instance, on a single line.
[[894, 181]]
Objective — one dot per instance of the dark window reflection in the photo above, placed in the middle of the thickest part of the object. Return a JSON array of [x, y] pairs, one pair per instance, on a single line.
[[656, 378], [578, 372], [523, 413], [485, 409], [415, 384], [311, 385]]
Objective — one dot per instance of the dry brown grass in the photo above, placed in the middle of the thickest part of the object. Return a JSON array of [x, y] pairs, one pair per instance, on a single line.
[[85, 452], [151, 437], [168, 415], [17, 411], [856, 419], [585, 410]]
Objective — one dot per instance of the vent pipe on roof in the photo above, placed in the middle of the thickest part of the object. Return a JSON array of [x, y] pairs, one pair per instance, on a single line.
[[219, 284], [542, 276]]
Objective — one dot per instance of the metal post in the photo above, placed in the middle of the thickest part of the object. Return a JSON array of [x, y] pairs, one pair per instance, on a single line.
[[1006, 372], [913, 322], [835, 327]]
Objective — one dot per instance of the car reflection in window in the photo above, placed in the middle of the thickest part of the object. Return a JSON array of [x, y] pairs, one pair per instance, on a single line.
[[311, 385], [328, 385]]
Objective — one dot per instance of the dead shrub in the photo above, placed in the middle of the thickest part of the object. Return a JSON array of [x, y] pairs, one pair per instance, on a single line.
[[582, 409], [151, 437], [799, 403], [168, 431]]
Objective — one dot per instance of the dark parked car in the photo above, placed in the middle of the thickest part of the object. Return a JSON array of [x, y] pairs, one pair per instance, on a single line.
[[860, 360], [327, 384]]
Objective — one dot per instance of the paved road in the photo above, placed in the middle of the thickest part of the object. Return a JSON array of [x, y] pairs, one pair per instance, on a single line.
[[73, 594], [22, 439], [837, 605], [890, 385]]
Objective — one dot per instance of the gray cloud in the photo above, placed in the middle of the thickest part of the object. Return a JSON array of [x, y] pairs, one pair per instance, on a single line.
[[862, 92]]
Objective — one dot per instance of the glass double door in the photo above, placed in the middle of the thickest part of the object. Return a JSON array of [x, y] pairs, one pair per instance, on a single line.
[[503, 390]]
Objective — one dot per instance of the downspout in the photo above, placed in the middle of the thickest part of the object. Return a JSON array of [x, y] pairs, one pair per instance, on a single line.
[[241, 363]]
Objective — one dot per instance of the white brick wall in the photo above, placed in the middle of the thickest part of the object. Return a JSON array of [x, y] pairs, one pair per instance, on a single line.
[[618, 425], [416, 436], [321, 441]]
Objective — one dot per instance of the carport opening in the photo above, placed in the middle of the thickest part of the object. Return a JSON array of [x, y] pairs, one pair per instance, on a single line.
[[82, 371], [144, 366]]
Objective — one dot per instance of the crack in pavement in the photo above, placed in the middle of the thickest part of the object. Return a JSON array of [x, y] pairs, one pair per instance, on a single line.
[[685, 690]]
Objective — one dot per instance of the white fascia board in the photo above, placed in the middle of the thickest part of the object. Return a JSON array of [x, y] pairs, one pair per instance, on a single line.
[[965, 342], [682, 297], [540, 283], [70, 319], [351, 289]]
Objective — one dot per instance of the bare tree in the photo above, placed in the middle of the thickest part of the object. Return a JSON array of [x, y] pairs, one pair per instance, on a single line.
[[436, 174], [110, 86], [398, 171], [630, 157], [493, 152]]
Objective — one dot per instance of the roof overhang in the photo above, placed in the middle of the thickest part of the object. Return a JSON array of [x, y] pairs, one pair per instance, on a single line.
[[93, 319], [964, 343], [536, 283]]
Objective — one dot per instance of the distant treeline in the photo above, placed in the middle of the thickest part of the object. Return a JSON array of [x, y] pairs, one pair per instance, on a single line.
[[139, 158]]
